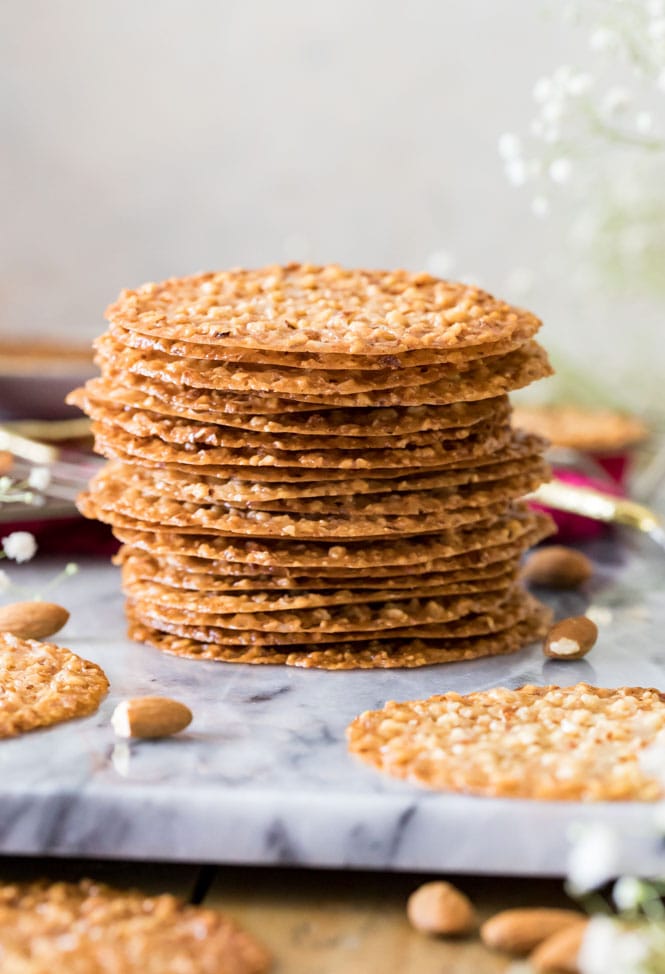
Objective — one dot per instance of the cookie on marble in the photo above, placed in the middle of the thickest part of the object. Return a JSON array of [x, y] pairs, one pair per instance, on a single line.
[[396, 653], [139, 567], [116, 504], [90, 928], [206, 601], [212, 561], [486, 613], [578, 743], [42, 684]]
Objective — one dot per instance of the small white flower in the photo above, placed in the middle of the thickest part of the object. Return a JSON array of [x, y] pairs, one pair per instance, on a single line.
[[579, 84], [71, 568], [628, 893], [560, 170], [594, 858], [644, 123], [542, 90], [553, 111], [607, 946], [616, 100], [656, 29], [440, 263], [603, 39], [509, 146], [39, 478], [19, 546], [540, 206], [516, 171], [5, 583]]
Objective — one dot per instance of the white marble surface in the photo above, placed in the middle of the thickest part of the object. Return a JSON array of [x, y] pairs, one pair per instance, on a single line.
[[263, 775]]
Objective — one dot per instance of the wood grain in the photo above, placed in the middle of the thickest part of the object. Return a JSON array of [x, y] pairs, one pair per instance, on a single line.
[[318, 922]]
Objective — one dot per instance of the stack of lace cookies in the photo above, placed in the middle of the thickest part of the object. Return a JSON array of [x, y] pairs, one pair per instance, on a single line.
[[316, 466]]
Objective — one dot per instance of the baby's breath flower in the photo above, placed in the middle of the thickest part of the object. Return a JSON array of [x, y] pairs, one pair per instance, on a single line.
[[542, 90], [593, 858], [628, 893], [20, 546], [560, 170], [517, 172], [607, 946], [603, 39], [71, 568], [579, 84], [510, 146], [644, 123], [39, 478], [616, 100]]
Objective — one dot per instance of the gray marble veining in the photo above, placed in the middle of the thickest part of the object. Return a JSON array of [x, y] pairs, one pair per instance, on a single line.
[[263, 775]]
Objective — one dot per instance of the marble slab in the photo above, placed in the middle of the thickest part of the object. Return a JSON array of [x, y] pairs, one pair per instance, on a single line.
[[263, 775]]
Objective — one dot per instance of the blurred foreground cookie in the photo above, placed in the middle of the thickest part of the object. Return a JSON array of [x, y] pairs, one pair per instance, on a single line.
[[87, 928], [578, 743], [42, 684], [342, 437]]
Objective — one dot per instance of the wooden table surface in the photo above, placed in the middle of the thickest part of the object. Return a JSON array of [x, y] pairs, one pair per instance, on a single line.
[[315, 921]]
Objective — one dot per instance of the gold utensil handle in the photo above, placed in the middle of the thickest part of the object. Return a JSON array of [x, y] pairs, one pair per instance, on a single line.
[[597, 505]]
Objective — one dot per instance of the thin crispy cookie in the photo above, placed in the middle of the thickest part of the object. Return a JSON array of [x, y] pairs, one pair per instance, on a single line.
[[174, 429], [124, 389], [578, 743], [321, 310], [275, 554], [42, 684], [312, 361], [484, 379], [89, 928], [389, 654]]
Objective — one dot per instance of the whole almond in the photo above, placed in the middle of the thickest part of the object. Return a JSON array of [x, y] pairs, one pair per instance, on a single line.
[[571, 638], [441, 908], [149, 717], [557, 566], [519, 931], [32, 620], [560, 951]]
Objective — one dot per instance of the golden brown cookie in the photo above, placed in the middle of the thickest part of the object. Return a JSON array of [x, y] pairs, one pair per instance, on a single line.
[[89, 928], [311, 360], [373, 654], [328, 310], [553, 743], [42, 684], [601, 430]]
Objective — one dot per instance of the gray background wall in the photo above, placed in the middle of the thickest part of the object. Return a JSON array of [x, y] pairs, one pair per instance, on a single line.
[[142, 139]]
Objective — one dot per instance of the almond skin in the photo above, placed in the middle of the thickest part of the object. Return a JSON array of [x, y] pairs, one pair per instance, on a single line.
[[519, 931], [150, 717], [32, 620], [440, 908], [560, 951], [571, 638], [557, 566]]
